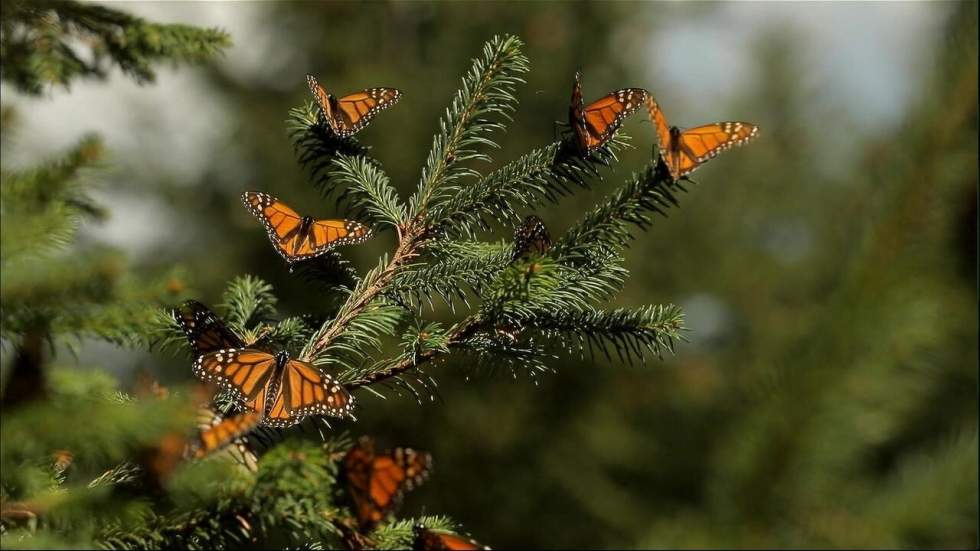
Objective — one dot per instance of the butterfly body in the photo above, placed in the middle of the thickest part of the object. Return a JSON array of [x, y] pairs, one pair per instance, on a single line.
[[685, 150], [596, 123], [349, 114], [296, 237]]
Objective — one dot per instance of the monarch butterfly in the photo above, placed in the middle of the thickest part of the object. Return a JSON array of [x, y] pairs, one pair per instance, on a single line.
[[595, 123], [298, 237], [349, 114], [283, 390], [432, 540], [217, 432], [531, 236], [378, 481], [683, 151]]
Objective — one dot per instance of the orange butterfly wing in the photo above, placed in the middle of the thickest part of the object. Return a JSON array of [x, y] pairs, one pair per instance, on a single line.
[[596, 123], [245, 372], [701, 143], [297, 238], [377, 482], [387, 477], [323, 99], [349, 114], [431, 540], [282, 223], [327, 234], [356, 110], [277, 415], [218, 435], [357, 469], [304, 391], [663, 135]]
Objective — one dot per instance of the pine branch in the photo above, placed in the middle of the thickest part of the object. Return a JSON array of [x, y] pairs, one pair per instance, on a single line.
[[487, 90], [42, 207], [317, 147], [627, 331], [424, 349], [368, 190], [523, 284], [400, 534], [452, 265], [543, 285], [247, 299], [362, 336], [40, 43], [495, 350], [650, 192], [545, 174], [288, 334], [367, 290]]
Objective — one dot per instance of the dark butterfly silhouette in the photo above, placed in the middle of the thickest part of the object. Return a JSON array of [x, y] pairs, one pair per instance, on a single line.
[[531, 237]]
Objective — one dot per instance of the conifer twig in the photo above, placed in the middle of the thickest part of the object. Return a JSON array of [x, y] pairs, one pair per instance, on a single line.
[[372, 287], [462, 330]]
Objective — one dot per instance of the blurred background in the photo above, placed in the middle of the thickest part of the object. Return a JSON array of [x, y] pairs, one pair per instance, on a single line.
[[827, 393]]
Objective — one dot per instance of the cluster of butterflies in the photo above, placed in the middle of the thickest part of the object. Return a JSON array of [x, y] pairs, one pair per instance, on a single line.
[[297, 238], [683, 151], [276, 391], [271, 389]]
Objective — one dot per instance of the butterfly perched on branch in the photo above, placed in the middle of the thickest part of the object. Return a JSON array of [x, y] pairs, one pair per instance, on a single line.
[[297, 237], [684, 151], [349, 114], [284, 391], [594, 124], [531, 237], [377, 481], [437, 540]]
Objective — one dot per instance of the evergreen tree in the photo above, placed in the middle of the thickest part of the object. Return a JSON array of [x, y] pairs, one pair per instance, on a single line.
[[110, 481], [837, 408]]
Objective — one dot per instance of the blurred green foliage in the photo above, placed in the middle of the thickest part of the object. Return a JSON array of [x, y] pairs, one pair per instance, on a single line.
[[830, 396]]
